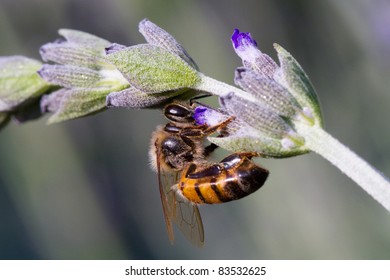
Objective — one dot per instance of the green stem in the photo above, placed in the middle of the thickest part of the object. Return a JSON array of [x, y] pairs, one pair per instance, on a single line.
[[221, 89], [366, 176]]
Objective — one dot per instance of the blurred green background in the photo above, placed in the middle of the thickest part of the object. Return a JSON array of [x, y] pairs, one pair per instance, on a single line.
[[83, 189]]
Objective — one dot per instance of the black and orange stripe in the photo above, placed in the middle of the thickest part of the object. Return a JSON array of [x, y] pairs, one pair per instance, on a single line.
[[218, 183]]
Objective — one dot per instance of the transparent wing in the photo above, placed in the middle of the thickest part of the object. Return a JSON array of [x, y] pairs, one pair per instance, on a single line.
[[163, 180], [178, 209], [167, 211], [186, 215]]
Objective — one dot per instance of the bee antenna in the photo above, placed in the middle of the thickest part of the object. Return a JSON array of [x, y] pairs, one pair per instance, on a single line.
[[204, 95]]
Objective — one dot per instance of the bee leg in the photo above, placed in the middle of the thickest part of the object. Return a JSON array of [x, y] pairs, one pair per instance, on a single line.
[[204, 130], [249, 155], [209, 149], [219, 126], [192, 132]]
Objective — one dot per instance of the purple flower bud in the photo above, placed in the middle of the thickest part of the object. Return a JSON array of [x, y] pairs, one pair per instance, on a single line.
[[199, 115], [245, 46], [242, 40], [208, 116]]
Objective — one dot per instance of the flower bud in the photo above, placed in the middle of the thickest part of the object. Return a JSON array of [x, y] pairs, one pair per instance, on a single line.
[[152, 69], [157, 36], [73, 103], [19, 81], [256, 116], [246, 48], [82, 50], [69, 76], [294, 79], [267, 91], [134, 98], [206, 115], [157, 71], [84, 73]]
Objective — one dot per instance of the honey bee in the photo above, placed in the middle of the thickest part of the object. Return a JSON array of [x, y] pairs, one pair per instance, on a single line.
[[186, 178]]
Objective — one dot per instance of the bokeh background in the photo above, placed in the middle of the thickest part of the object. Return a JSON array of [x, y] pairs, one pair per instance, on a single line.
[[84, 190]]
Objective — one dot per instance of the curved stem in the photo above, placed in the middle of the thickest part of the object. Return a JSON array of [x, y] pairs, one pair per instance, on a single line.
[[366, 176], [221, 89]]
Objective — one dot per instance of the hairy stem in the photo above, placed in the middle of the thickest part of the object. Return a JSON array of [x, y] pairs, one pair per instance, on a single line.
[[366, 176], [221, 89]]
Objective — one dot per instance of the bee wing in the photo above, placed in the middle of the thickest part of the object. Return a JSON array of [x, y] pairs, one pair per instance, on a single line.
[[186, 215], [163, 180], [178, 209]]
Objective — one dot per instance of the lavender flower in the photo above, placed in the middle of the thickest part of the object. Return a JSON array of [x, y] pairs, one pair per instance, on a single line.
[[244, 45], [246, 48], [199, 115], [208, 116], [273, 100]]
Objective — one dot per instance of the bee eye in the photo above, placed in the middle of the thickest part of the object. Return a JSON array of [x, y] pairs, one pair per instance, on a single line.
[[178, 113]]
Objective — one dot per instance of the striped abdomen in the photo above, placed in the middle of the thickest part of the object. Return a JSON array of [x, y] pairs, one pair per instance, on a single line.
[[234, 177]]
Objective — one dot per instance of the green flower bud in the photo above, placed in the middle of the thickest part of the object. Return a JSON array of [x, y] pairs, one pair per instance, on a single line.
[[267, 91], [157, 71], [19, 81], [69, 76], [79, 48], [250, 113], [133, 98], [291, 75], [157, 36], [152, 69], [83, 72], [69, 104]]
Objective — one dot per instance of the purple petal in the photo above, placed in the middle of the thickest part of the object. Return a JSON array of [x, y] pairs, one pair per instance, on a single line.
[[208, 116], [235, 38], [199, 115], [242, 40]]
